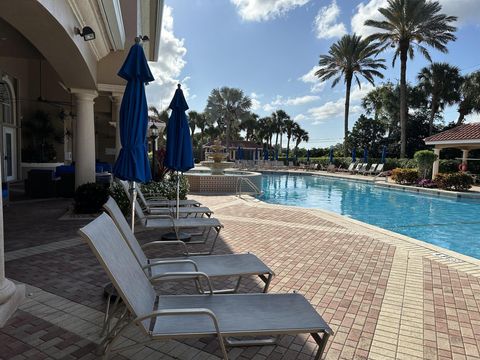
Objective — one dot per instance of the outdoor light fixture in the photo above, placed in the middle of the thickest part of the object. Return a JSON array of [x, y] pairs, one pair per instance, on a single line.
[[154, 131], [87, 33], [142, 38]]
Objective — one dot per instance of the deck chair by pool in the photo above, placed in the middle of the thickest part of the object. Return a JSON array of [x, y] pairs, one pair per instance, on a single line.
[[156, 202], [349, 169], [193, 316], [166, 223], [367, 171], [378, 170], [231, 265]]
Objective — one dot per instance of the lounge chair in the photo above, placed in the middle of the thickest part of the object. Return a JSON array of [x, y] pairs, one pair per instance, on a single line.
[[166, 223], [369, 170], [150, 203], [194, 316], [378, 170], [349, 169], [360, 169], [237, 265], [356, 168]]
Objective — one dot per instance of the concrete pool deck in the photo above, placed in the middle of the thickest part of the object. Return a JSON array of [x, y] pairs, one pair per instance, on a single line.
[[386, 296]]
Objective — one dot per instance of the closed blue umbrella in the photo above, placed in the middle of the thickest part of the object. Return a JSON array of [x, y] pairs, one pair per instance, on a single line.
[[330, 155], [287, 154], [179, 153], [354, 155], [265, 154], [132, 163], [365, 155], [239, 154], [384, 154], [255, 155], [276, 154], [308, 155]]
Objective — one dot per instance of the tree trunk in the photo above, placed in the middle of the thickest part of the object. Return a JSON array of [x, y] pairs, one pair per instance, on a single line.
[[288, 147], [403, 100], [276, 140], [433, 112], [348, 79], [461, 117], [227, 138]]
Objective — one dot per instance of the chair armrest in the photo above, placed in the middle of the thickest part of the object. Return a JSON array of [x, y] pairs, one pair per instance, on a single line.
[[166, 262], [158, 216], [184, 275], [169, 242]]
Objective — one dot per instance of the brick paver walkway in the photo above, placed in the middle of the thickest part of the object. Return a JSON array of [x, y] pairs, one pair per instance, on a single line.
[[385, 296]]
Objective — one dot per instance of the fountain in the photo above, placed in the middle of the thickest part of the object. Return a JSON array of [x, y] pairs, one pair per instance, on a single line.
[[216, 159], [215, 180]]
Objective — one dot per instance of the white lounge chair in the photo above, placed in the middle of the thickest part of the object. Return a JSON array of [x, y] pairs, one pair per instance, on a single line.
[[236, 265], [193, 316]]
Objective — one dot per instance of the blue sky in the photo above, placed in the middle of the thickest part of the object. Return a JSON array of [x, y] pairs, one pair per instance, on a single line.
[[268, 48]]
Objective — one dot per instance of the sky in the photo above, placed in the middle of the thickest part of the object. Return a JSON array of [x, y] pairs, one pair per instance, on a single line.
[[270, 49]]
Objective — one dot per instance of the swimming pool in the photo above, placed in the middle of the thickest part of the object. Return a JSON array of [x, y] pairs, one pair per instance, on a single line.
[[450, 223]]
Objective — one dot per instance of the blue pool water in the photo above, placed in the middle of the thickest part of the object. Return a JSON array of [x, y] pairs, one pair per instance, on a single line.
[[449, 223]]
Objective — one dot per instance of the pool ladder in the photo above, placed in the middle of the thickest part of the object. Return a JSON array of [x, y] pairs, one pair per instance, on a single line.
[[243, 180]]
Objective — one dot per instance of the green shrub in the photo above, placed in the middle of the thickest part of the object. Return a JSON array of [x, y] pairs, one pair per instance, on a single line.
[[89, 198], [405, 176], [167, 188], [425, 160], [449, 166], [458, 181], [118, 194]]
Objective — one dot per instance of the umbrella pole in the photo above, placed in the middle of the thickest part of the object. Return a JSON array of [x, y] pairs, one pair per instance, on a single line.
[[133, 196], [178, 195]]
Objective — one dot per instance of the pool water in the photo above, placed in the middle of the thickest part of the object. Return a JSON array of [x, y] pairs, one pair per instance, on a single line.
[[450, 223]]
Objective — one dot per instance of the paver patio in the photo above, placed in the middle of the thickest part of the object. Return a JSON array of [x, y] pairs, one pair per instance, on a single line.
[[385, 296]]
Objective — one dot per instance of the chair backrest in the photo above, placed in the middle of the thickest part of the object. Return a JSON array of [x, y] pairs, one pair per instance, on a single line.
[[351, 166], [359, 166], [116, 214], [373, 167], [138, 208], [379, 167], [364, 167], [120, 265]]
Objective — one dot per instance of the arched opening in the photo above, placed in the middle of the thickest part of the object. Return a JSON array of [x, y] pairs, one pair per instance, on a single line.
[[8, 124]]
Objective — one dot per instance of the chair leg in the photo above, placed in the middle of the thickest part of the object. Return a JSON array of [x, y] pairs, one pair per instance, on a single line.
[[321, 342], [266, 280]]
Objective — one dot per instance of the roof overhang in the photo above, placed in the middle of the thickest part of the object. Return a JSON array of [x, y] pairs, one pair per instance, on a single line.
[[151, 14]]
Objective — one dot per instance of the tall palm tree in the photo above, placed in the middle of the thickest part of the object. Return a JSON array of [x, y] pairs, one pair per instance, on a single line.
[[279, 118], [441, 82], [299, 135], [193, 117], [409, 24], [227, 106], [348, 58], [248, 124], [289, 127], [469, 96]]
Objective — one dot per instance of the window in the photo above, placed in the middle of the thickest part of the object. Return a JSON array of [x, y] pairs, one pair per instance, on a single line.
[[6, 115]]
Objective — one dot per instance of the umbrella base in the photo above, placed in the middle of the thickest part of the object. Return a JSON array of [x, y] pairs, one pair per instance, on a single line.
[[181, 236]]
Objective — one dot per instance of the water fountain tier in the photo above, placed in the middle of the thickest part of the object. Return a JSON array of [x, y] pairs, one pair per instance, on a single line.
[[216, 159]]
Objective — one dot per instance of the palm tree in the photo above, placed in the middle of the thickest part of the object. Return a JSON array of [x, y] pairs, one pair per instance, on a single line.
[[289, 127], [469, 96], [227, 105], [409, 24], [248, 124], [348, 58], [299, 135], [441, 82], [279, 118], [193, 120]]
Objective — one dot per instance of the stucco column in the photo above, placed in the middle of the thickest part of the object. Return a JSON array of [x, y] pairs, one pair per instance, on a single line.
[[84, 136], [464, 156], [11, 295], [436, 163], [116, 102]]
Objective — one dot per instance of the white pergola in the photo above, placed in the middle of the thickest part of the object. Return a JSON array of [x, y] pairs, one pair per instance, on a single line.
[[465, 137]]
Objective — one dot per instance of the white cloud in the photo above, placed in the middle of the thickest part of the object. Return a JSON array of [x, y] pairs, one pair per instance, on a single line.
[[296, 101], [255, 102], [330, 110], [310, 78], [299, 117], [366, 12], [357, 93], [467, 11], [326, 26], [260, 10], [168, 68]]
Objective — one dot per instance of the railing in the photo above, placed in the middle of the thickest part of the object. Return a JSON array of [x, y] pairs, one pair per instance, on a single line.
[[243, 180]]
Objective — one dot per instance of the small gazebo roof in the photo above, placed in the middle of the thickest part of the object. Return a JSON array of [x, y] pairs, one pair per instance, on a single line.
[[466, 134]]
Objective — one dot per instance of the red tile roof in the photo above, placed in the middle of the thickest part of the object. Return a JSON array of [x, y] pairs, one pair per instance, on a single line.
[[462, 132]]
